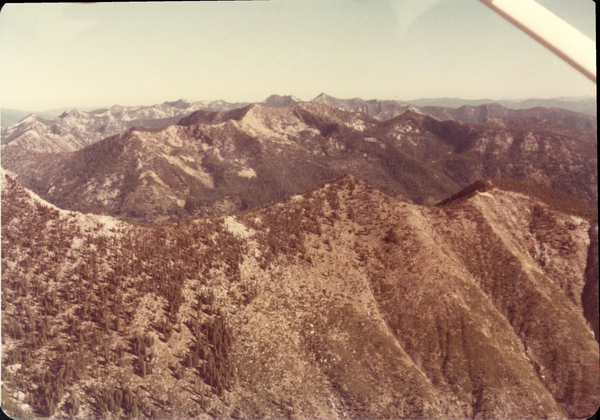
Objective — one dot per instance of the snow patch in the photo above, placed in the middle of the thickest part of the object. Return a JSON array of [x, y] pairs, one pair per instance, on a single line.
[[201, 176], [152, 175], [187, 158], [237, 228], [357, 125], [247, 173], [252, 121], [13, 368], [530, 143], [108, 221]]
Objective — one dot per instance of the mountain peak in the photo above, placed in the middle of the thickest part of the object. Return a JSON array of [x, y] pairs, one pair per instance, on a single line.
[[74, 113], [29, 118], [323, 95], [179, 104], [208, 117], [277, 101]]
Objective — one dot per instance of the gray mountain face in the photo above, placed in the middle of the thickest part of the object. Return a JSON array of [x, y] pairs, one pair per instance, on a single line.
[[219, 163]]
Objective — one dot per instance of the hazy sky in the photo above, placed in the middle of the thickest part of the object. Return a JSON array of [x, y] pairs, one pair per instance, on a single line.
[[93, 55]]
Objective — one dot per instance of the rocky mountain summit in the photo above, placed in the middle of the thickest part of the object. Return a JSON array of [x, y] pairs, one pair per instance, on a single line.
[[381, 110], [339, 302], [216, 163], [278, 101]]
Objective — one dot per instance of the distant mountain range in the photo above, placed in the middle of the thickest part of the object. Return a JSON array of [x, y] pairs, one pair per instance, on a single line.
[[10, 116], [278, 101], [166, 109], [75, 129], [585, 105], [214, 163], [456, 109]]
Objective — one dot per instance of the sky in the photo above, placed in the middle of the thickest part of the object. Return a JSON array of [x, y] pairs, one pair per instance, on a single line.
[[97, 55]]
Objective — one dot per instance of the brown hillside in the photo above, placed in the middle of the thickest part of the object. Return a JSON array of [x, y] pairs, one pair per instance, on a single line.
[[341, 302]]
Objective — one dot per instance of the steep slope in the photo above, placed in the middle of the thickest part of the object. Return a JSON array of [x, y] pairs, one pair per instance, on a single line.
[[590, 289], [340, 302]]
